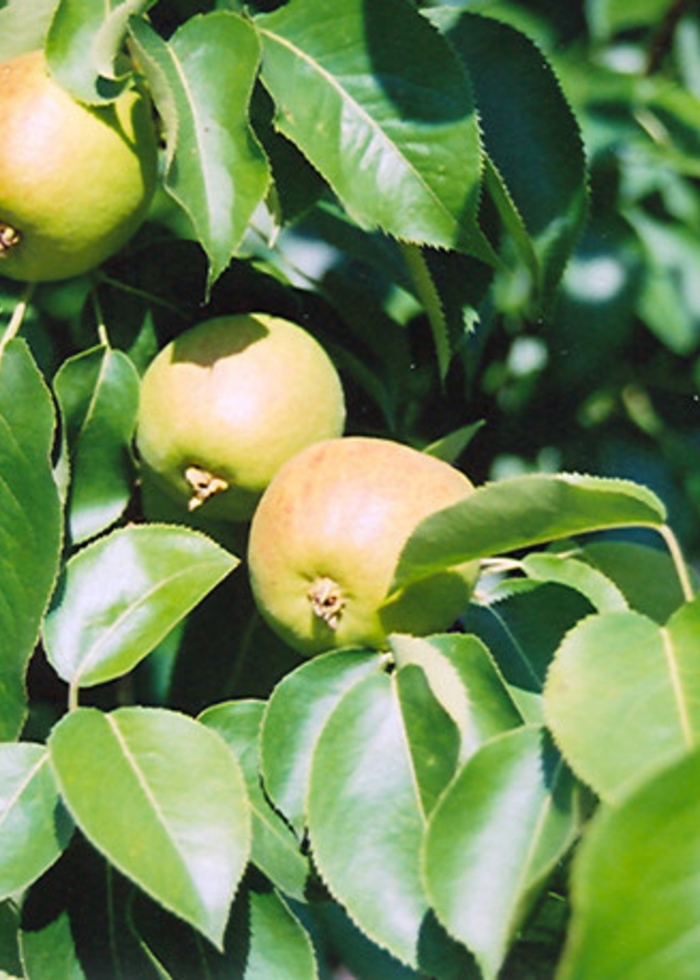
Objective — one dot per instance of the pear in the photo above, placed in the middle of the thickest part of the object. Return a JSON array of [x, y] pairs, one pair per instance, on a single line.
[[226, 403], [327, 534], [75, 181]]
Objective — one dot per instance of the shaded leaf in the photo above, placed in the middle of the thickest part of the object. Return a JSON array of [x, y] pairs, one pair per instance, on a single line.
[[522, 631], [495, 837], [531, 136], [31, 838], [121, 595], [30, 522], [279, 945], [623, 696], [520, 512], [636, 884], [464, 679], [275, 849], [201, 80], [185, 842], [296, 713], [365, 817], [98, 393], [377, 101]]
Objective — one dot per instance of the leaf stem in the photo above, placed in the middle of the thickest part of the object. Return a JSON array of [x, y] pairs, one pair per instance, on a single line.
[[17, 317], [73, 697], [681, 567]]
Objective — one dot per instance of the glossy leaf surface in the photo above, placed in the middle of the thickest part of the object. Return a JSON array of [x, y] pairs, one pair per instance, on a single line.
[[296, 713], [120, 596], [464, 679], [366, 801], [623, 666], [201, 80], [493, 839], [127, 781], [30, 522], [376, 100], [520, 512], [31, 838], [98, 393]]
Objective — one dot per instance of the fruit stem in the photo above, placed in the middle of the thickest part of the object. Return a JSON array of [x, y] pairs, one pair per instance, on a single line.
[[9, 238], [17, 318], [326, 598], [204, 485]]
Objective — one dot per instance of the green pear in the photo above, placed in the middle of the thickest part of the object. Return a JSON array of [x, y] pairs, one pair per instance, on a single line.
[[75, 181], [226, 403]]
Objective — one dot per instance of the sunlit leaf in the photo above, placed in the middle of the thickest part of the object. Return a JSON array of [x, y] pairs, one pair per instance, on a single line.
[[520, 512], [296, 713], [623, 696], [121, 595], [601, 592], [23, 26], [98, 393], [636, 884], [31, 836], [30, 523], [495, 837], [365, 815], [464, 678], [201, 80], [376, 100], [84, 43], [127, 780]]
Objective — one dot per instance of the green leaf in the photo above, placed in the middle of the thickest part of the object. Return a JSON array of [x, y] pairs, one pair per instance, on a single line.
[[121, 595], [376, 100], [636, 884], [623, 696], [432, 737], [98, 393], [520, 512], [602, 593], [30, 523], [669, 302], [127, 780], [30, 835], [522, 631], [279, 945], [296, 713], [451, 446], [464, 679], [530, 135], [609, 17], [50, 951], [495, 837], [201, 80], [365, 815], [275, 850], [23, 26], [645, 575], [84, 43]]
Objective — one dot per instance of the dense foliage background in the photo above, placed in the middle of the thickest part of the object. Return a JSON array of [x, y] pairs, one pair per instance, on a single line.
[[489, 214]]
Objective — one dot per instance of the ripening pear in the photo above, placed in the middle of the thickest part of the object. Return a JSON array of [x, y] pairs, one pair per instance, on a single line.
[[327, 534], [76, 181]]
